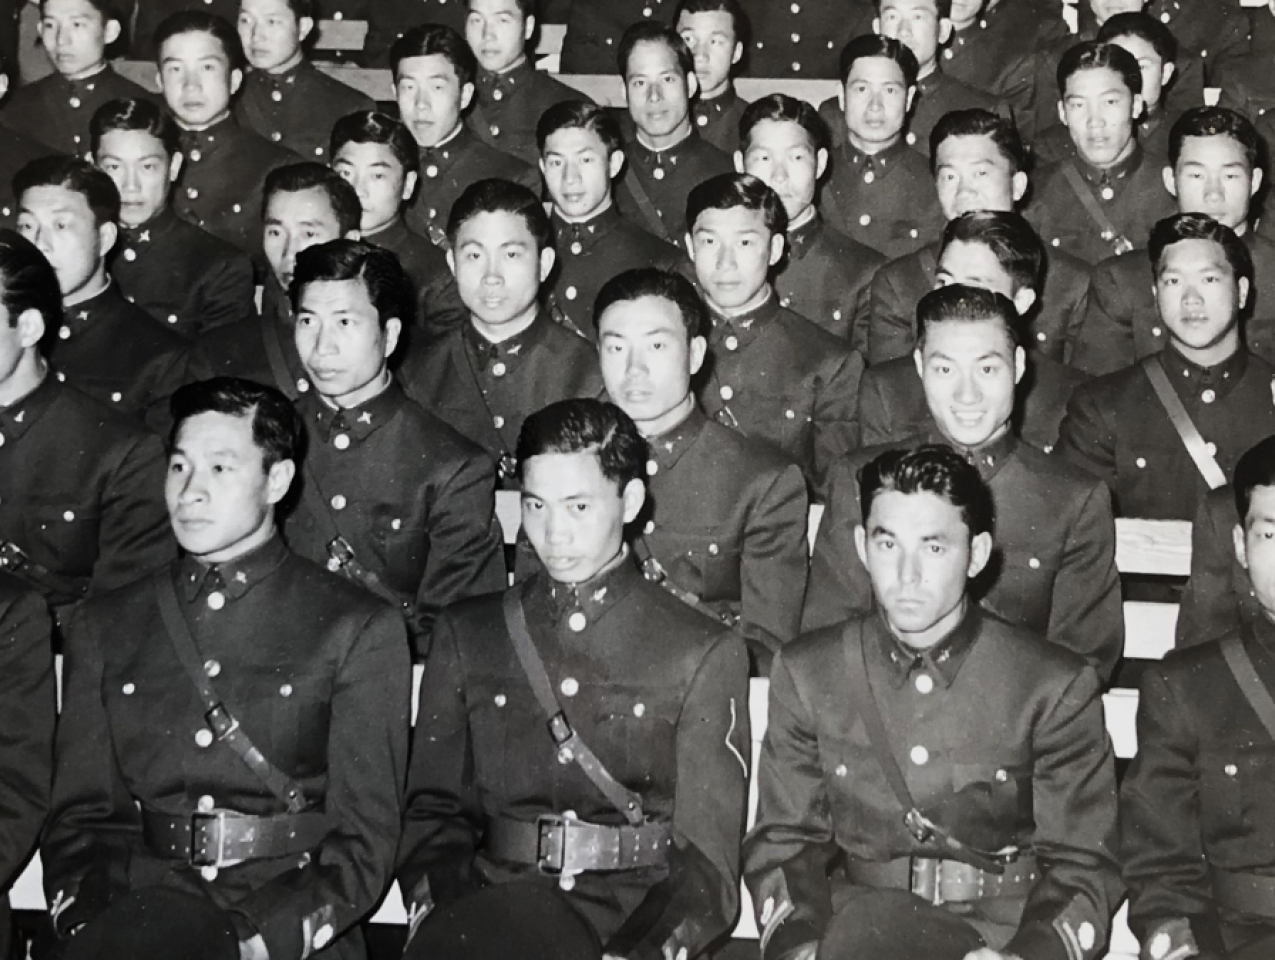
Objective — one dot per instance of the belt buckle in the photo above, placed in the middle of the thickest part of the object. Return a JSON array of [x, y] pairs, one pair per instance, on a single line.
[[927, 879], [202, 827], [551, 854]]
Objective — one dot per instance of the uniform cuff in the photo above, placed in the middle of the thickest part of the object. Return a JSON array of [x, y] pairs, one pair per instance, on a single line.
[[788, 936]]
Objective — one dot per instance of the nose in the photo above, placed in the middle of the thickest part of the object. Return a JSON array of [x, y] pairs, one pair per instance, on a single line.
[[571, 173], [779, 173], [876, 102], [324, 342], [1213, 189], [967, 390], [1191, 296], [725, 257], [489, 30], [654, 93], [491, 273], [192, 488], [557, 531], [635, 365], [909, 567]]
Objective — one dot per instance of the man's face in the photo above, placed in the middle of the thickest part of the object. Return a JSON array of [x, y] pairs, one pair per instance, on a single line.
[[75, 36], [915, 24], [972, 174], [498, 269], [711, 37], [647, 362], [964, 11], [573, 515], [1213, 177], [341, 341], [969, 371], [430, 97], [577, 171], [1255, 546], [1099, 110], [497, 33], [779, 152], [196, 78], [1104, 10], [142, 170], [295, 221], [659, 94], [378, 178], [271, 33], [975, 265], [876, 102], [1198, 295], [1155, 72], [733, 251], [61, 224]]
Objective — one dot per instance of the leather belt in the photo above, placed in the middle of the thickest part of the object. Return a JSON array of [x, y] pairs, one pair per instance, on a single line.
[[1245, 892], [946, 881], [564, 845], [223, 837]]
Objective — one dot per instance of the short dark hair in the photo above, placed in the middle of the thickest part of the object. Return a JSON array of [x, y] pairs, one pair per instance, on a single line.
[[106, 8], [586, 426], [980, 123], [301, 8], [580, 115], [1255, 468], [1092, 55], [28, 282], [372, 126], [961, 303], [135, 113], [1216, 122], [1197, 226], [388, 287], [931, 468], [726, 191], [501, 196], [653, 282], [525, 7], [197, 21], [1016, 246], [308, 175], [435, 38], [944, 8], [738, 19], [276, 425], [1142, 25], [875, 45], [781, 108], [652, 31], [78, 176]]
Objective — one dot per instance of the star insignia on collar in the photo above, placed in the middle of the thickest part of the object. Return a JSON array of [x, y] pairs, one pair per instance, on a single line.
[[241, 577], [82, 315], [145, 237], [23, 413], [668, 445], [514, 350], [365, 417]]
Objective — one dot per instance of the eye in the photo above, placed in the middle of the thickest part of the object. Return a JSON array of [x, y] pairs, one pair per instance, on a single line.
[[176, 467], [579, 507], [937, 549]]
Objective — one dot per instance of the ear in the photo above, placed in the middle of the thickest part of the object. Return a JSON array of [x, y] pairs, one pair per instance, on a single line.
[[737, 54], [907, 108], [980, 553], [1062, 113], [616, 163], [919, 361], [1020, 364], [409, 184], [1171, 181], [841, 95], [634, 496], [279, 479], [451, 260], [111, 33], [4, 85], [739, 161], [821, 163], [529, 29], [876, 25], [1018, 186], [1243, 292], [1166, 73], [1024, 300], [107, 234], [393, 330], [466, 96], [692, 86], [175, 166], [30, 328], [353, 235], [776, 248], [1139, 106], [305, 26], [690, 247], [699, 349], [1241, 549], [159, 80], [945, 31], [1258, 177], [861, 543], [548, 257], [236, 81]]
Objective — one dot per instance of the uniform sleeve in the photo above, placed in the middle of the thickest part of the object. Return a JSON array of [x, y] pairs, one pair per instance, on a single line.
[[890, 320], [839, 585], [773, 565], [135, 537], [226, 292], [1210, 607], [1086, 437], [162, 377], [836, 415], [300, 910], [874, 413], [786, 854], [1105, 342], [441, 309], [700, 897]]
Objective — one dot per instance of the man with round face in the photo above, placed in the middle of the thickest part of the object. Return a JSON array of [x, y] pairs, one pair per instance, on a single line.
[[320, 779], [949, 679], [606, 634], [715, 32]]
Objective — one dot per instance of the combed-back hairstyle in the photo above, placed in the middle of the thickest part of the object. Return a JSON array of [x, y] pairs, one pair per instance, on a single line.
[[276, 425], [526, 8], [106, 8], [372, 126], [434, 38], [197, 21], [1198, 226], [961, 303], [1142, 25], [580, 115], [28, 282], [78, 176], [931, 468], [738, 19], [726, 191], [653, 282], [652, 31], [781, 108], [942, 7], [1256, 468], [501, 196], [980, 123], [1092, 55], [301, 8], [875, 45], [1216, 122], [134, 113], [1011, 239], [586, 426], [308, 175], [389, 289]]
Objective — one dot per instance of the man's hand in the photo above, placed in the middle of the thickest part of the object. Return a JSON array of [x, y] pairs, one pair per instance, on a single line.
[[254, 949], [987, 953]]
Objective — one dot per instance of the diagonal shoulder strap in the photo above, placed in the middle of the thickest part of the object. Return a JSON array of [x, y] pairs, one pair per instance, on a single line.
[[1186, 429], [570, 746], [643, 199], [1120, 242], [1255, 692]]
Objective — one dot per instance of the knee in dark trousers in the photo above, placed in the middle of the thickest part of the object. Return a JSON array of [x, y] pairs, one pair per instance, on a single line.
[[895, 925], [157, 924], [514, 921]]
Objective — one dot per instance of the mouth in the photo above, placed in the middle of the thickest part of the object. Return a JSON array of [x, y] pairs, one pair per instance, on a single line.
[[637, 395], [324, 373], [968, 418]]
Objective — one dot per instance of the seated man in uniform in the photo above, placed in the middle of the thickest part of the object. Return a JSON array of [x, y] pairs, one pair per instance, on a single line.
[[633, 798], [510, 358], [959, 763], [1055, 535], [434, 72], [824, 276], [393, 498], [880, 191], [1216, 168], [581, 154], [1104, 199], [667, 157], [105, 346], [284, 694], [716, 32], [56, 109], [802, 41], [184, 277], [284, 97], [1196, 840], [773, 375], [1164, 430], [725, 523]]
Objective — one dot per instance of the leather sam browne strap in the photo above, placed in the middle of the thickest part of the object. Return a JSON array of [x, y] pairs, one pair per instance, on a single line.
[[1186, 429], [1119, 241], [1255, 692], [65, 589], [643, 200]]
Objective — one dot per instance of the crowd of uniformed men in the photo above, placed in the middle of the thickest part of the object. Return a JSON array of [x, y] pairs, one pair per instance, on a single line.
[[268, 350]]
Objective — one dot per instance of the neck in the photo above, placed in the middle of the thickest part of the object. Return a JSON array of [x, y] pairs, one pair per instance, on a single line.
[[872, 148], [29, 374], [193, 128], [670, 419], [657, 144], [99, 282], [720, 90], [1120, 158], [801, 219], [442, 140], [522, 58], [597, 211], [983, 444], [290, 64], [607, 567], [759, 298], [1212, 355], [261, 535], [366, 232], [500, 332], [88, 72], [934, 634], [930, 66], [356, 398]]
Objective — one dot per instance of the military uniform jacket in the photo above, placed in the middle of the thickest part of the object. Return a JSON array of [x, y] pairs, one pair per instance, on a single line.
[[717, 120], [1000, 738], [666, 178], [776, 376], [1116, 428], [438, 300], [1122, 323], [317, 673], [938, 94], [1198, 796], [825, 277], [184, 277], [508, 108], [390, 19], [258, 348], [803, 41], [886, 201], [413, 499], [16, 151], [594, 29], [1218, 596], [297, 109], [657, 690], [56, 111], [1247, 85]]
